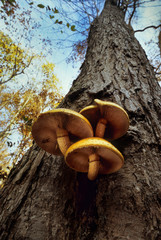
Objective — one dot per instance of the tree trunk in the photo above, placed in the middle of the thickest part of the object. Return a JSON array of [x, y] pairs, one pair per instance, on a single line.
[[43, 199]]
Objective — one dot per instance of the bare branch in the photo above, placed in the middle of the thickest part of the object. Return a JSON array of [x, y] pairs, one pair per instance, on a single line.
[[152, 26], [133, 11]]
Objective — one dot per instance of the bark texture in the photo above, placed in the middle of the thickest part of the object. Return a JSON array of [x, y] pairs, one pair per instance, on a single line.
[[44, 199]]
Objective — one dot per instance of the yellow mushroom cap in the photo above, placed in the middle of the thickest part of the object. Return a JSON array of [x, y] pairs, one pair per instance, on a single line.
[[45, 127], [117, 118], [77, 155], [92, 113]]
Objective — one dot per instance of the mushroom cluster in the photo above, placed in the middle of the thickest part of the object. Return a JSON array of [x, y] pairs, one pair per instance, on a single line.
[[54, 131], [79, 136]]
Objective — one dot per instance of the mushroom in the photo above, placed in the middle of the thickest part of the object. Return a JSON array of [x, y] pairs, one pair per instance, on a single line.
[[108, 119], [94, 155], [53, 131]]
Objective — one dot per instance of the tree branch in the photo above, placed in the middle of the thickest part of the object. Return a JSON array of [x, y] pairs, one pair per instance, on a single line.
[[113, 2], [133, 11], [17, 73], [152, 26]]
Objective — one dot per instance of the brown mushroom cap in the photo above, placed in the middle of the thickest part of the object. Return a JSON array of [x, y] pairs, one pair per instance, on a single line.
[[45, 127], [77, 155], [116, 116]]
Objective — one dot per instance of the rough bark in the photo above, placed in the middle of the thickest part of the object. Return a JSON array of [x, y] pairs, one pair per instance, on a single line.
[[44, 199]]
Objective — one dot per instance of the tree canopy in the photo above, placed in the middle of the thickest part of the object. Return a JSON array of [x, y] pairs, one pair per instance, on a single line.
[[28, 86]]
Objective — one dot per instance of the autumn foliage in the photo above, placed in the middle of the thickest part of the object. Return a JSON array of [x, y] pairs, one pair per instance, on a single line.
[[28, 86]]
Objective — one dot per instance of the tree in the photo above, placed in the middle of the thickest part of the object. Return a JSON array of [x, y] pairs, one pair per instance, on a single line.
[[28, 86], [44, 199], [14, 60]]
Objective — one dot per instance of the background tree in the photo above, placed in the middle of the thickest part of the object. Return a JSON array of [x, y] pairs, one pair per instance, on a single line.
[[44, 199], [28, 86], [14, 60]]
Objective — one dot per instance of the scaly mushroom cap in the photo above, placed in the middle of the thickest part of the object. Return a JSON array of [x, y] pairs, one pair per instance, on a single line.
[[77, 155], [45, 129], [116, 117]]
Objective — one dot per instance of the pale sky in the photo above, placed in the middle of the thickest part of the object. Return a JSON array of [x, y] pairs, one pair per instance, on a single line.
[[149, 15]]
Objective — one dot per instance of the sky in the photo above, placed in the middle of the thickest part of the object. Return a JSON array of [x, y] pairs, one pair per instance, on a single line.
[[149, 15]]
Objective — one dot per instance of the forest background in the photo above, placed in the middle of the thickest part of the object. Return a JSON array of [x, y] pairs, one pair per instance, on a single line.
[[41, 42]]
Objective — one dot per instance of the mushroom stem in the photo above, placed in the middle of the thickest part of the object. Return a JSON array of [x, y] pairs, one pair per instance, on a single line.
[[63, 140], [94, 162], [100, 128]]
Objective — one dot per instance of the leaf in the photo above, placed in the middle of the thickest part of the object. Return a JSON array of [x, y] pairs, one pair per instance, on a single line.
[[51, 17], [68, 25], [59, 22], [9, 12], [11, 2], [25, 118], [73, 28], [48, 8], [9, 144], [40, 5], [55, 10]]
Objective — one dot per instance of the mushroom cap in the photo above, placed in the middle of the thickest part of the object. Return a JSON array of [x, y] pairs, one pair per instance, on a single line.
[[45, 127], [77, 155], [117, 118]]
